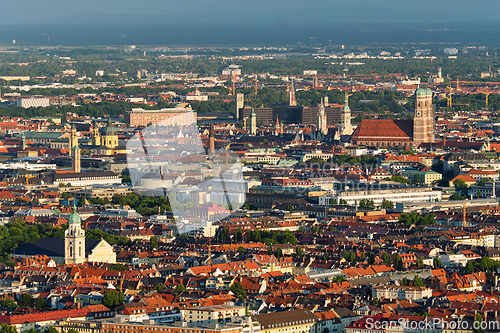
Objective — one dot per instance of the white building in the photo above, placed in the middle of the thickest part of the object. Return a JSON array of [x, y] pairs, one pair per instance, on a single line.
[[33, 102], [232, 70], [415, 294], [404, 195]]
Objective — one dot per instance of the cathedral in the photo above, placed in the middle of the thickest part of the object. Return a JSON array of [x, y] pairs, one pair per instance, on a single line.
[[73, 249], [104, 140], [399, 133]]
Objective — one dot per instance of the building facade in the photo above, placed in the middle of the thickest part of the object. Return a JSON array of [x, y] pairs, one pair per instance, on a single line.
[[169, 117]]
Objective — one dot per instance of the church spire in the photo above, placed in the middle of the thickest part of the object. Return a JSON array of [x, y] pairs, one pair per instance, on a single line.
[[345, 117]]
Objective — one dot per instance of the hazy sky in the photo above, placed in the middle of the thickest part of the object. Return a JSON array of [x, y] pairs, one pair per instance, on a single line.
[[216, 11]]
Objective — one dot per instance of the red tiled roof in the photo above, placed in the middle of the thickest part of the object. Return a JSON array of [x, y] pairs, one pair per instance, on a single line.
[[397, 128]]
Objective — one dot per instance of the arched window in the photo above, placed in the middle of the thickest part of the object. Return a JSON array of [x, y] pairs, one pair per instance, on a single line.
[[80, 250], [70, 251]]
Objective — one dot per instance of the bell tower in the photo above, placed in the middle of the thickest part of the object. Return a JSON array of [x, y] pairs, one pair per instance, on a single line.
[[423, 122], [73, 140], [74, 239]]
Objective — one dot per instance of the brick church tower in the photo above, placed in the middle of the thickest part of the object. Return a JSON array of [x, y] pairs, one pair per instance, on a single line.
[[423, 123]]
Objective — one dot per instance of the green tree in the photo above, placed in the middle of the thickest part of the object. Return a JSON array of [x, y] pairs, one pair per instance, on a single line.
[[26, 301], [405, 282], [371, 258], [6, 328], [180, 287], [51, 330], [333, 202], [386, 258], [398, 263], [8, 303], [418, 282], [118, 267], [290, 208], [241, 250], [238, 236], [420, 262], [40, 303], [469, 267], [478, 321], [237, 289], [160, 287], [367, 203], [437, 262], [299, 252], [386, 204], [65, 195], [153, 243], [460, 183], [416, 179]]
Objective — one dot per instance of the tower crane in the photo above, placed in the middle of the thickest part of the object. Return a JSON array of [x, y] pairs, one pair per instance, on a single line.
[[449, 96], [227, 155], [311, 41], [486, 100], [210, 252], [28, 177], [465, 214]]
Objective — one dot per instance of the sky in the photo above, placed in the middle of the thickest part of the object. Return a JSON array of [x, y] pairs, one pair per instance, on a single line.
[[263, 11]]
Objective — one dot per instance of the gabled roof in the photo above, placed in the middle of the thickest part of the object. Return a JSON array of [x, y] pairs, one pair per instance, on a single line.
[[393, 128]]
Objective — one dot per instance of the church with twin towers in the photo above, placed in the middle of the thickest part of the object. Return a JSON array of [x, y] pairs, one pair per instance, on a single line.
[[322, 116]]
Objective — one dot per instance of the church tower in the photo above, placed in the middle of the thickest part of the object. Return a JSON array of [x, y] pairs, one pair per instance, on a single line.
[[96, 137], [253, 123], [423, 122], [74, 239], [345, 117], [322, 118], [291, 95], [73, 140], [76, 160], [23, 141], [109, 136]]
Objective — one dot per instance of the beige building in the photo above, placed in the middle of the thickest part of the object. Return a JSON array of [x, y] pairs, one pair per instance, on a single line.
[[294, 321], [416, 294], [426, 177], [169, 117], [218, 314]]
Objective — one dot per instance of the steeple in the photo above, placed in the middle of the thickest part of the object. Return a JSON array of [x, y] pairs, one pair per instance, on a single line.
[[322, 119], [74, 239], [345, 117], [253, 123], [96, 137], [23, 141], [76, 159], [291, 95], [73, 140]]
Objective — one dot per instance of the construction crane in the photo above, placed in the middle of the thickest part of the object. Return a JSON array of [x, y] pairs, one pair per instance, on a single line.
[[28, 177], [121, 282], [210, 252], [465, 214], [449, 96], [227, 155], [234, 84], [486, 100], [468, 104]]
